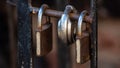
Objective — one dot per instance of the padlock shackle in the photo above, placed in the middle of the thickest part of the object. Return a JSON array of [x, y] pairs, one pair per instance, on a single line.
[[69, 9], [40, 14], [80, 22], [62, 27], [64, 24]]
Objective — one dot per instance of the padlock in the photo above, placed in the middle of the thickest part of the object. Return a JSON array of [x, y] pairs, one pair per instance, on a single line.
[[82, 41], [65, 28], [43, 34]]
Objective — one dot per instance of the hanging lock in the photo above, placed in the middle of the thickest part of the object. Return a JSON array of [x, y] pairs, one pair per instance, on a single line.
[[43, 34], [82, 41], [65, 26]]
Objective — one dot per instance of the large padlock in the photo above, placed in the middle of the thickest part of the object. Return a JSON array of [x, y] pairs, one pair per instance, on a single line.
[[82, 40], [65, 26], [43, 34]]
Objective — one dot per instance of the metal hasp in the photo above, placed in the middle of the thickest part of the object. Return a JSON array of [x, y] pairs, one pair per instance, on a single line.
[[93, 49], [24, 34]]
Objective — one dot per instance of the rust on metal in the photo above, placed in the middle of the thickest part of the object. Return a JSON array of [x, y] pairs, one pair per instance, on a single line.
[[55, 13]]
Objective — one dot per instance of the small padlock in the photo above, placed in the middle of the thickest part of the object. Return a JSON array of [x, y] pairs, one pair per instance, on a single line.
[[43, 34], [82, 41]]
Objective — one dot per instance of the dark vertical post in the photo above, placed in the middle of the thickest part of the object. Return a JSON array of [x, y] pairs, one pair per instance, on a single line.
[[93, 48], [24, 34]]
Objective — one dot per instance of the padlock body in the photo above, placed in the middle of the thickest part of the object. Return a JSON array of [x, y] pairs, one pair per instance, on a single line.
[[44, 39], [84, 49], [82, 46]]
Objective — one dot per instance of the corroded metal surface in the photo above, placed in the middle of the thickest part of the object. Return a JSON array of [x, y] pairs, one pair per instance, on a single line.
[[24, 35]]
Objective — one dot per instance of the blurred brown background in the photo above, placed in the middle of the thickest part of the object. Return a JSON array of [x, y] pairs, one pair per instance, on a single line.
[[108, 33]]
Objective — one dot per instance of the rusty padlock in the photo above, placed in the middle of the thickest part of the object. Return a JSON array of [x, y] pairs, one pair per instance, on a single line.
[[43, 34], [82, 41]]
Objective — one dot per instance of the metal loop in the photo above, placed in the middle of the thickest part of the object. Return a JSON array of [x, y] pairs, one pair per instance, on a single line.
[[80, 21], [68, 9], [64, 24], [40, 14]]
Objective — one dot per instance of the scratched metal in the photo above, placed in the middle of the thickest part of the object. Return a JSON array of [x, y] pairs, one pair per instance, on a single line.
[[24, 35]]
